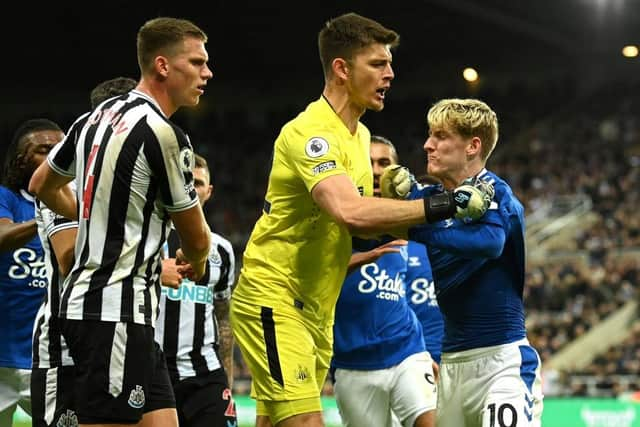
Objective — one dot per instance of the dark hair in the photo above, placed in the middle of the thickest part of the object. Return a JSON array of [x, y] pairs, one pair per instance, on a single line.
[[379, 139], [343, 36], [160, 36], [110, 88], [14, 171]]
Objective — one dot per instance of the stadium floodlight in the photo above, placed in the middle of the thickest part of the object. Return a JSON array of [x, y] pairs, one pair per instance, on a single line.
[[630, 51], [470, 74]]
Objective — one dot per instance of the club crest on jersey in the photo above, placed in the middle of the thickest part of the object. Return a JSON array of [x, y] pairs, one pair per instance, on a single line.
[[136, 398], [186, 160], [316, 147], [302, 374], [67, 419], [215, 259]]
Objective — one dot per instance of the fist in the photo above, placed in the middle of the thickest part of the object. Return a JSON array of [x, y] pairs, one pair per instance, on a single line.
[[395, 182], [472, 200]]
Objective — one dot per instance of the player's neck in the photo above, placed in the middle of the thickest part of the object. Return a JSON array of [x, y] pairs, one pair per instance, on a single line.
[[341, 103], [455, 178], [158, 92]]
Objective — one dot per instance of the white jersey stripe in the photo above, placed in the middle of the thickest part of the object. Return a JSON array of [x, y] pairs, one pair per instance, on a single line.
[[116, 362], [186, 327], [132, 167]]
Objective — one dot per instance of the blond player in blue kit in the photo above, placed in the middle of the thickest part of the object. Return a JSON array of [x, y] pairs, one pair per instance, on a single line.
[[295, 261]]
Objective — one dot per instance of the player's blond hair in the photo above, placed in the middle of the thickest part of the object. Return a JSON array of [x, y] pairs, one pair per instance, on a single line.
[[162, 36], [344, 36], [467, 118]]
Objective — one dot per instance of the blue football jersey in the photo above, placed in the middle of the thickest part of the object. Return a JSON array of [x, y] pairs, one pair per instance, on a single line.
[[23, 282], [421, 295], [374, 326], [478, 271]]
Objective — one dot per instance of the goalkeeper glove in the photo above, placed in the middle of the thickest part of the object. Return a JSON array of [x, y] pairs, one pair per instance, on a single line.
[[468, 202], [396, 182]]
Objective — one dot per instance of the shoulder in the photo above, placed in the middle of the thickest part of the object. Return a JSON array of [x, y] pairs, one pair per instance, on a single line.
[[9, 197], [504, 194], [79, 123], [217, 242], [309, 124], [5, 193], [166, 132]]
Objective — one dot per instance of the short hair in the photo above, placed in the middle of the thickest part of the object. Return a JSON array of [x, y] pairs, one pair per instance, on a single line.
[[14, 162], [162, 36], [110, 88], [344, 36], [201, 162], [468, 118], [379, 139]]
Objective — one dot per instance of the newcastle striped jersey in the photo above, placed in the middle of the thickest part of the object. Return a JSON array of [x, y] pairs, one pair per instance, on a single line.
[[186, 328], [49, 348], [132, 168]]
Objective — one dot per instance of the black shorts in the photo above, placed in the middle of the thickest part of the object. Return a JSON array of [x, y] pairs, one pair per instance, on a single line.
[[205, 401], [120, 374], [52, 396]]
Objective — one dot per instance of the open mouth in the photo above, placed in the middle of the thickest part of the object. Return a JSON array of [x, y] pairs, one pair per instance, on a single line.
[[381, 92]]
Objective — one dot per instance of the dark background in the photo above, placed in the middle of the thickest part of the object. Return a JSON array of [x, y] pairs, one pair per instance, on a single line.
[[55, 53], [534, 58]]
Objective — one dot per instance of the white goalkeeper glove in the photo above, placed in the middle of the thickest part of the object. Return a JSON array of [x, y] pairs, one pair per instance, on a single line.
[[396, 182], [472, 200], [468, 202]]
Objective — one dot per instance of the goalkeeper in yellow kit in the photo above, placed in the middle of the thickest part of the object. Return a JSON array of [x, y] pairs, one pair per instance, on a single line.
[[319, 194]]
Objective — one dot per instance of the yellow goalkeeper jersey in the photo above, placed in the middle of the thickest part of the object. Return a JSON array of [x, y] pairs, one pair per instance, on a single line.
[[297, 253]]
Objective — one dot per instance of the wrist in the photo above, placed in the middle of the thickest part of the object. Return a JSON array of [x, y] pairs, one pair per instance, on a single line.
[[438, 207]]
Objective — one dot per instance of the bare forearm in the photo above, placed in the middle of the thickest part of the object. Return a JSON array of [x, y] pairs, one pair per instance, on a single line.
[[377, 215], [226, 339], [196, 250], [15, 235]]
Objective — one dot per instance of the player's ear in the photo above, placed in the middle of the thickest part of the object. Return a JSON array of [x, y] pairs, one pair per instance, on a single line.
[[161, 64], [340, 68], [474, 146]]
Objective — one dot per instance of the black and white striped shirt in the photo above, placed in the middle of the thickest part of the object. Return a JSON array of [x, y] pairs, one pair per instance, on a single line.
[[132, 168], [49, 348], [187, 329]]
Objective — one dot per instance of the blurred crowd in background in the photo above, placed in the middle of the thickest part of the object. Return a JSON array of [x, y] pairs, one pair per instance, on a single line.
[[560, 145]]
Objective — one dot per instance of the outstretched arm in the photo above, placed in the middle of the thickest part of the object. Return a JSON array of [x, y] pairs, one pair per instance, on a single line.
[[15, 235], [337, 196], [360, 258]]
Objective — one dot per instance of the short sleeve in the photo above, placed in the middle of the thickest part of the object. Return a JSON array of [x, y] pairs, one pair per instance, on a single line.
[[314, 158], [170, 157], [62, 158]]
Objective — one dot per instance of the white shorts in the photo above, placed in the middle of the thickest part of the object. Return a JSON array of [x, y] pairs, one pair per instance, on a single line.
[[369, 397], [15, 389], [497, 386]]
